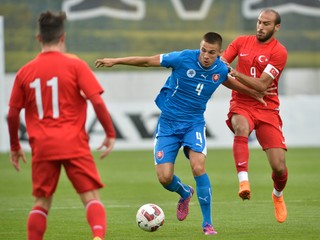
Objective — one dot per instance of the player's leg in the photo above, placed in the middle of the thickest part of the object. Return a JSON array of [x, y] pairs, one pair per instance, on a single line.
[[37, 220], [279, 176], [95, 213], [241, 128], [165, 153], [45, 176], [195, 149], [84, 176], [272, 141], [204, 190]]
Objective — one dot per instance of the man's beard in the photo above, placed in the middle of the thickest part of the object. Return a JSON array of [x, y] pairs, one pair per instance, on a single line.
[[266, 37]]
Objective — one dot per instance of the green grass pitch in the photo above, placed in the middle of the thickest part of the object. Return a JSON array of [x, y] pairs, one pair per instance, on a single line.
[[130, 181]]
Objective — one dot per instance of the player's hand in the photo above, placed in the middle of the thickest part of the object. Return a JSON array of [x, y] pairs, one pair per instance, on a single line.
[[104, 62], [108, 143], [269, 91], [233, 72], [15, 157]]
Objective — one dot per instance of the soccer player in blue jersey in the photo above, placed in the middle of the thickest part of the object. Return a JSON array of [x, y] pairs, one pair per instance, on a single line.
[[195, 75]]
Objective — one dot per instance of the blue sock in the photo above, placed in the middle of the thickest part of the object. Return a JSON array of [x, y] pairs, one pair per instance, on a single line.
[[177, 186], [204, 197]]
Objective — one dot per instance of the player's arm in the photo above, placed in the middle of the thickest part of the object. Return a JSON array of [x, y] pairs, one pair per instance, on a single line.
[[235, 85], [260, 84], [138, 61], [106, 122], [13, 126]]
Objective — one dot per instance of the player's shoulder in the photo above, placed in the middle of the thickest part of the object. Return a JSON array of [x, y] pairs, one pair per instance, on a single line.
[[245, 38], [71, 55], [279, 46], [73, 59]]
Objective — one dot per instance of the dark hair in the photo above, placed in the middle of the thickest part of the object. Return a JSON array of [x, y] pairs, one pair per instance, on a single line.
[[278, 17], [212, 37], [51, 26]]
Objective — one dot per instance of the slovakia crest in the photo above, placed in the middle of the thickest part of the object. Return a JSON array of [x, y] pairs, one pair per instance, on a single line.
[[215, 77], [159, 155]]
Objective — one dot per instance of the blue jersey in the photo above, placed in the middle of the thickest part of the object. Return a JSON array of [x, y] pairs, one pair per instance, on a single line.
[[187, 90]]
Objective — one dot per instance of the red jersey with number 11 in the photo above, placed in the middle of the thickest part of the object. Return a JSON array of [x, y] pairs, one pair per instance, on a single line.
[[254, 58], [51, 88]]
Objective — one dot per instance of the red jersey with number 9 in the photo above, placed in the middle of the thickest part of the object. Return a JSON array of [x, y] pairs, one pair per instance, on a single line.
[[254, 58], [52, 89]]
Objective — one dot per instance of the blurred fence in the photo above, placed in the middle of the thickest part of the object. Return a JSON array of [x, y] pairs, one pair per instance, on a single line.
[[118, 27]]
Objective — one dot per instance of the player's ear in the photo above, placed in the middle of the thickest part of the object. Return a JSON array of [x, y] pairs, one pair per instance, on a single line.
[[277, 27], [38, 37]]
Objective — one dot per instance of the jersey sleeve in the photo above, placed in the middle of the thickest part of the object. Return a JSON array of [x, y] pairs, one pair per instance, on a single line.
[[277, 62], [170, 60], [87, 80], [231, 51], [17, 98]]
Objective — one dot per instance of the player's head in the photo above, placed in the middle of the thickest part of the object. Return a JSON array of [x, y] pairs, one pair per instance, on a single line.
[[210, 48], [268, 24], [51, 27]]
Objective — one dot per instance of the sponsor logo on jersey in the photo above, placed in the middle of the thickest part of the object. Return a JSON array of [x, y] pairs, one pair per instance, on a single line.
[[191, 73], [215, 77]]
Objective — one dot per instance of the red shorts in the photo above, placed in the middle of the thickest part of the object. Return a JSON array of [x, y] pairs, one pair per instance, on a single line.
[[82, 172], [266, 122]]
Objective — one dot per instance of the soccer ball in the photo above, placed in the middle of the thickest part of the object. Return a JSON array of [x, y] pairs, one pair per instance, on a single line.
[[150, 217]]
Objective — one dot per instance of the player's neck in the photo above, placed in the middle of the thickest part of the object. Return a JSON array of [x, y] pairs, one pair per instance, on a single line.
[[51, 48], [57, 47]]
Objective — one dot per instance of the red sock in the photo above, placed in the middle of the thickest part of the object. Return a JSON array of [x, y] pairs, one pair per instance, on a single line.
[[37, 223], [241, 153], [279, 182], [96, 217]]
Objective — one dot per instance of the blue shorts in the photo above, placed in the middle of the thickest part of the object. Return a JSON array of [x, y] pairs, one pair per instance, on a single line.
[[171, 135]]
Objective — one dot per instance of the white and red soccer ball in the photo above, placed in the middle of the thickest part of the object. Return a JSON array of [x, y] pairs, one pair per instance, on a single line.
[[150, 217]]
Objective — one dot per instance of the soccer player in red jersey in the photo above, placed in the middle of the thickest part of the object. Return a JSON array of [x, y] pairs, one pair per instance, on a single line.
[[261, 60], [53, 89]]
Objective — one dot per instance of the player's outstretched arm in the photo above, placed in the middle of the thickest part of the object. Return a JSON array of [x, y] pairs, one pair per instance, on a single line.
[[138, 61]]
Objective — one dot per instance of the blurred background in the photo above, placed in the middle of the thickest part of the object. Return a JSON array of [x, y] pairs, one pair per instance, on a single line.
[[115, 28]]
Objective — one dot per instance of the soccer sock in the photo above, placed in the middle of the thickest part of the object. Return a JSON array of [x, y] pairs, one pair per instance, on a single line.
[[241, 153], [177, 186], [204, 197], [96, 217], [279, 182], [243, 176], [37, 223]]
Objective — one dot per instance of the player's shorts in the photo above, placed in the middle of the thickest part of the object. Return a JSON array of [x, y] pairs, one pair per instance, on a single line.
[[82, 172], [266, 122], [172, 135]]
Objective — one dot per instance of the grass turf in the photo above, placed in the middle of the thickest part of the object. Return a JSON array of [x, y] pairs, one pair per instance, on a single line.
[[130, 181]]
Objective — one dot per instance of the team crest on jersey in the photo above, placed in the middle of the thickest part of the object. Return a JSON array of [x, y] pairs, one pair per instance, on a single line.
[[191, 73], [263, 58], [159, 155], [215, 77]]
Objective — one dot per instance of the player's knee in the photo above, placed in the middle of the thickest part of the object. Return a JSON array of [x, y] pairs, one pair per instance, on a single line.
[[165, 179], [241, 130]]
